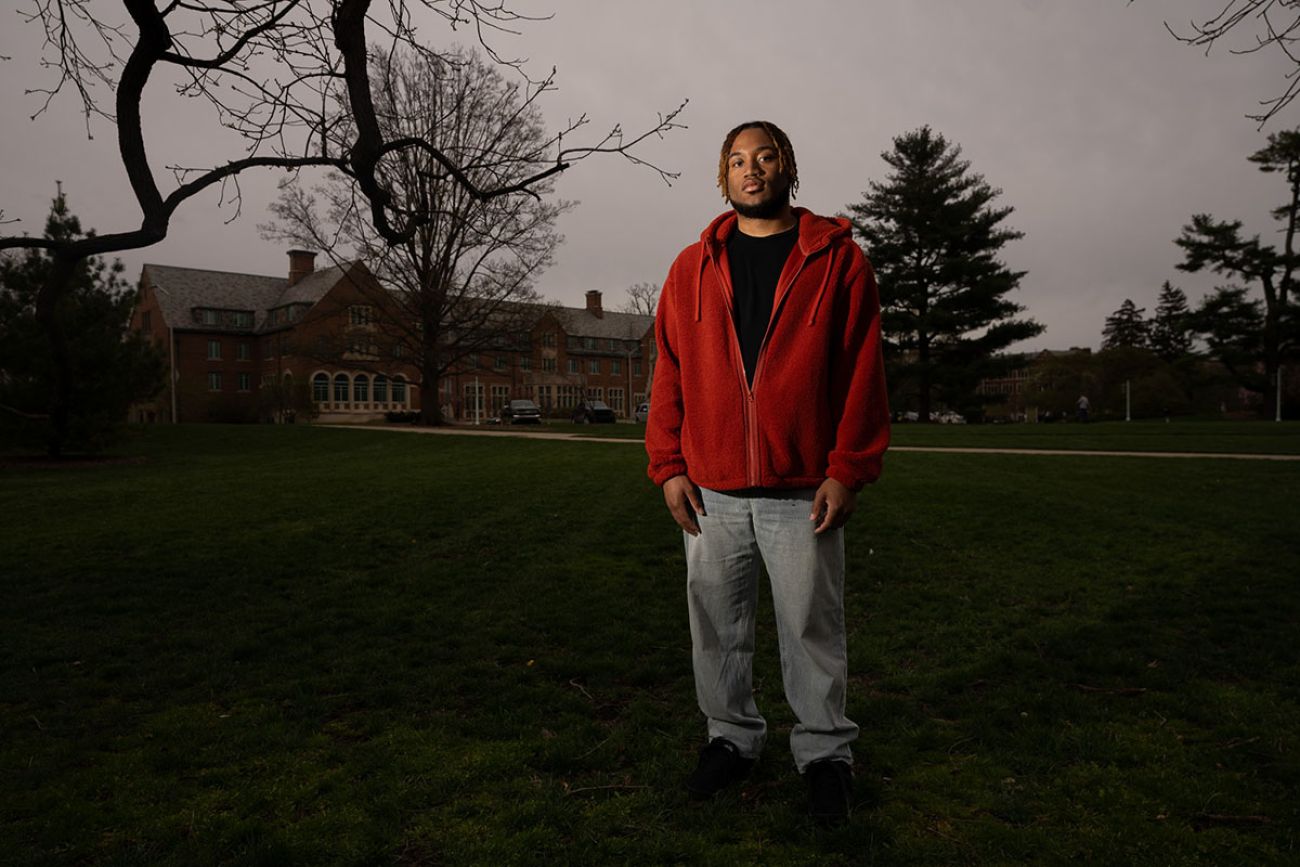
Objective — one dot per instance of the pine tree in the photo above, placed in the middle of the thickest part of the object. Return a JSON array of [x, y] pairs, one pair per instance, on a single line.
[[1219, 246], [106, 370], [933, 234], [1171, 327], [1125, 328]]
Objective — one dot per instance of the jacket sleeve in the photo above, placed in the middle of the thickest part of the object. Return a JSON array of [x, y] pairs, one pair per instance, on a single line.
[[858, 382], [663, 434]]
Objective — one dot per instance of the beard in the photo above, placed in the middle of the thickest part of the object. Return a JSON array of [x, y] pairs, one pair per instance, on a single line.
[[765, 210]]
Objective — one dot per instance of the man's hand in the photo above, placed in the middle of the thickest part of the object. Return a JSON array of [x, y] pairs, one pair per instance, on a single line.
[[683, 500], [832, 506]]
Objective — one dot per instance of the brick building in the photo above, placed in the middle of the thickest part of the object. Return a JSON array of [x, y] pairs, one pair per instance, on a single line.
[[573, 354], [244, 347]]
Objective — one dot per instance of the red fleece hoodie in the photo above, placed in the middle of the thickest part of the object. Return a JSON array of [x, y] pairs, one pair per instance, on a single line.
[[817, 407]]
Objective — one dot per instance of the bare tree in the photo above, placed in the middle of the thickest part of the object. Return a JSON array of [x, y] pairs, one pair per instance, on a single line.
[[462, 283], [1274, 26], [642, 298], [273, 72]]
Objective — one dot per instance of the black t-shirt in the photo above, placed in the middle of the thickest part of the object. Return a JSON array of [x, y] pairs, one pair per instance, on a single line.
[[756, 265]]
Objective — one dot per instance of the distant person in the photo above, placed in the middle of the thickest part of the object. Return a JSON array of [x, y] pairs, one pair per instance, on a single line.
[[768, 415], [1083, 406]]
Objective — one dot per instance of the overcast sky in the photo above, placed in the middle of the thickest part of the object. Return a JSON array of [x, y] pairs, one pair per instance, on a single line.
[[1102, 131]]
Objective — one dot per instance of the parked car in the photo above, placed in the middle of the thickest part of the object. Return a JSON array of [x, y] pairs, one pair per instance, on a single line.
[[521, 412], [593, 412], [642, 412], [950, 417]]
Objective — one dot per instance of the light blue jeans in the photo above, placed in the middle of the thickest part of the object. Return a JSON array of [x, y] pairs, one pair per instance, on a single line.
[[739, 532]]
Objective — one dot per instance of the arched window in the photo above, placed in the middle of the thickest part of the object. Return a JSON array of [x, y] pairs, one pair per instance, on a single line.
[[381, 388], [341, 388], [361, 388], [320, 388], [399, 389]]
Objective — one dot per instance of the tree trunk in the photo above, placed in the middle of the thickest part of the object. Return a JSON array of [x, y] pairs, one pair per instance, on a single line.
[[430, 411], [923, 371], [49, 304], [1272, 359]]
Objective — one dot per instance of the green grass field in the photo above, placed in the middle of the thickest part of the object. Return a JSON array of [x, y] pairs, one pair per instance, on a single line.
[[1249, 437], [296, 645]]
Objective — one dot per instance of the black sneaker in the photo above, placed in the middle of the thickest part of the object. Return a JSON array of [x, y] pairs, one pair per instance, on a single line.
[[830, 791], [721, 764]]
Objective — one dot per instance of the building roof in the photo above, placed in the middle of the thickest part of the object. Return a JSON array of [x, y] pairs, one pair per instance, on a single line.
[[581, 322], [180, 290]]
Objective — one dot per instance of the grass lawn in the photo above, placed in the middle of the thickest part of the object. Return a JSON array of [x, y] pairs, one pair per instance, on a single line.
[[296, 645], [1248, 437]]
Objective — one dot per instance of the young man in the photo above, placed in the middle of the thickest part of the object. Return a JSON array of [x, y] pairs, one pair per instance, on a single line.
[[768, 413]]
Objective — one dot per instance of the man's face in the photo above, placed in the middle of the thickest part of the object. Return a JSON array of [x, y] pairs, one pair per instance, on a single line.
[[756, 186]]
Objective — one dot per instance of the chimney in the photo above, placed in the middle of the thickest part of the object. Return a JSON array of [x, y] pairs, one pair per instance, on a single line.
[[301, 263], [593, 303]]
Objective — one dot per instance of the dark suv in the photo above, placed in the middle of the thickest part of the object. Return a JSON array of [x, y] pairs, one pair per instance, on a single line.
[[593, 412], [521, 412]]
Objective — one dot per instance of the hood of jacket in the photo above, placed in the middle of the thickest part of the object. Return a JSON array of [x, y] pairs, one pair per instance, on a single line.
[[815, 232]]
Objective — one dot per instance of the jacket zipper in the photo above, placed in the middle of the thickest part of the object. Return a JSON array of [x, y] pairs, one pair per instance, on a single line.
[[753, 478]]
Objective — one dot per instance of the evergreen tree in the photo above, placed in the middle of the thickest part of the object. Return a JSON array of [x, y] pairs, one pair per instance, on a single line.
[[1125, 328], [933, 234], [106, 370], [1171, 327], [1219, 246]]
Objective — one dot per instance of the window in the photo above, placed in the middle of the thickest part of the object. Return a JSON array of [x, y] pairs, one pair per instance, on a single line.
[[320, 388], [544, 397], [272, 317], [360, 314], [361, 388], [268, 347], [214, 381], [548, 339], [243, 319], [471, 361], [613, 344], [638, 398], [595, 393], [244, 351], [209, 317], [573, 365], [245, 382], [500, 394], [616, 400], [548, 365], [525, 362], [616, 367], [593, 366], [636, 367], [214, 350], [588, 343], [341, 388], [473, 404], [500, 362], [398, 350], [568, 396], [146, 320], [381, 389], [399, 390]]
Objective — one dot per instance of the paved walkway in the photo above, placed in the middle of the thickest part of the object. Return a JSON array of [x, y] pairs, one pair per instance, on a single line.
[[547, 435]]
